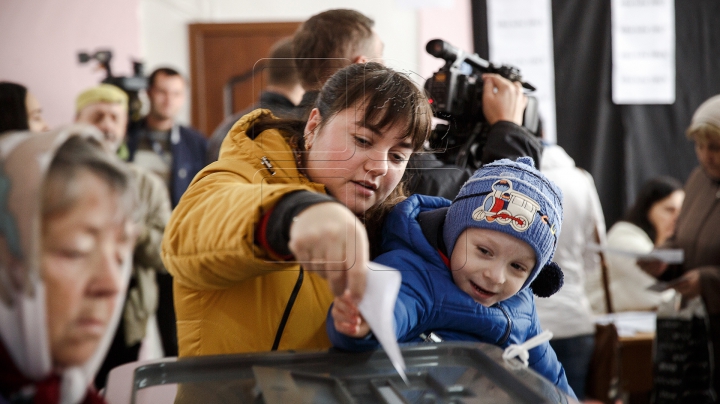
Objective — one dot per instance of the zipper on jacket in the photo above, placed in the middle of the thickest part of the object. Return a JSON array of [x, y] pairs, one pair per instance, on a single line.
[[266, 162], [506, 336]]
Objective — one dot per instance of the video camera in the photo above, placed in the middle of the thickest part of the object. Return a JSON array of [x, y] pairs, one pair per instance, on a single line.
[[130, 84], [456, 94]]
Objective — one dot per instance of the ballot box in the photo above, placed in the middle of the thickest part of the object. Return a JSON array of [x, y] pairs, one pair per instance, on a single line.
[[436, 373]]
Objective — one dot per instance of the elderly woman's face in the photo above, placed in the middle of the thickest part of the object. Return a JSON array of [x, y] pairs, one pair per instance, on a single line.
[[358, 166], [82, 256], [708, 154]]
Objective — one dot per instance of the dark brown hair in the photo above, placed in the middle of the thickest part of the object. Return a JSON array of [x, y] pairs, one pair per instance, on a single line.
[[281, 68], [652, 192], [325, 42], [390, 99], [13, 111], [166, 71]]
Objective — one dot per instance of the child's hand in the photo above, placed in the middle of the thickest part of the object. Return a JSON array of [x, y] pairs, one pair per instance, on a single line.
[[347, 318]]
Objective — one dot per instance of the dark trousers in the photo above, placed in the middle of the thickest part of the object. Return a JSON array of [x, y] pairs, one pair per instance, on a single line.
[[166, 315], [574, 354]]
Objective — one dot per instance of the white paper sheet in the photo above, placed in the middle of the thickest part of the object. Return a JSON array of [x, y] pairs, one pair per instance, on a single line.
[[630, 323], [643, 51], [520, 34], [667, 255], [378, 306]]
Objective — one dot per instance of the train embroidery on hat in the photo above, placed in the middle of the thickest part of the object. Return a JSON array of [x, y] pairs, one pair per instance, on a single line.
[[506, 206]]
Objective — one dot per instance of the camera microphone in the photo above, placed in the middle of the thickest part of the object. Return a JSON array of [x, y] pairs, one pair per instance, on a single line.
[[442, 49]]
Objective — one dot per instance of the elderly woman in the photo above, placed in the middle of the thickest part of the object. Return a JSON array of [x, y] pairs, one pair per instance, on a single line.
[[698, 226], [66, 239]]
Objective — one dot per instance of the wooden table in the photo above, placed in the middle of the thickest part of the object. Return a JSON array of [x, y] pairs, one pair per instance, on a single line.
[[636, 367]]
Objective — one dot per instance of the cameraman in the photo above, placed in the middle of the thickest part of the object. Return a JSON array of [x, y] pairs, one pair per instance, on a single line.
[[503, 105]]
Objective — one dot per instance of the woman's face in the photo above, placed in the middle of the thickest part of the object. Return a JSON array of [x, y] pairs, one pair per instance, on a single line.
[[358, 166], [36, 123], [83, 252], [708, 154], [663, 215]]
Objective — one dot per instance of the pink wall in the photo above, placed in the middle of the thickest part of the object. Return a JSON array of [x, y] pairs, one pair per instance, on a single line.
[[452, 24], [39, 41]]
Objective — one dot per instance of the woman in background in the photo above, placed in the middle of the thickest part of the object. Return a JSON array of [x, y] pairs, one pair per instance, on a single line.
[[698, 227], [66, 239], [19, 109], [647, 225]]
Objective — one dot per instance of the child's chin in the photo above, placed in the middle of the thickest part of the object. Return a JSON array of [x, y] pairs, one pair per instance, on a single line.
[[484, 303]]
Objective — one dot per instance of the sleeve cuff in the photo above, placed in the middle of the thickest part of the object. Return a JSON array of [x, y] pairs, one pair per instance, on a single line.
[[273, 232]]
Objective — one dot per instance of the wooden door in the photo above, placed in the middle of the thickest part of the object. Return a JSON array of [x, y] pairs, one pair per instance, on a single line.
[[219, 52]]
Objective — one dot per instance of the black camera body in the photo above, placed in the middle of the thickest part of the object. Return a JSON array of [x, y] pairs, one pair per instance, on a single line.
[[456, 92], [132, 85]]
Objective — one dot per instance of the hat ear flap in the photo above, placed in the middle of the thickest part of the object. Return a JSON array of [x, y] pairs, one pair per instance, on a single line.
[[548, 281]]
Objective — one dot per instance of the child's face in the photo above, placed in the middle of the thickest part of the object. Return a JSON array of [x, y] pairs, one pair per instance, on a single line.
[[489, 265]]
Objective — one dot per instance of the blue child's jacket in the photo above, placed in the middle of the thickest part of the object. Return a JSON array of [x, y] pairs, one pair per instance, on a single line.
[[429, 300]]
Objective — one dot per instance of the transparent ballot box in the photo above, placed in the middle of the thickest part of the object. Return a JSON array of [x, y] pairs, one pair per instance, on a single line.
[[437, 373]]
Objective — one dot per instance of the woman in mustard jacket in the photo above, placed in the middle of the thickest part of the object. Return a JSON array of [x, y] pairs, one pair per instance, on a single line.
[[265, 236]]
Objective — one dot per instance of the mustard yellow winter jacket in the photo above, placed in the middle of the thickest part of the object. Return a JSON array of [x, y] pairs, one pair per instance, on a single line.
[[230, 293]]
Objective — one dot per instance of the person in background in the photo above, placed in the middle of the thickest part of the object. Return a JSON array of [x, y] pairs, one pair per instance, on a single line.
[[326, 43], [281, 95], [66, 242], [287, 205], [105, 107], [157, 142], [567, 313], [470, 268], [333, 39], [174, 152], [19, 109], [697, 231], [648, 224]]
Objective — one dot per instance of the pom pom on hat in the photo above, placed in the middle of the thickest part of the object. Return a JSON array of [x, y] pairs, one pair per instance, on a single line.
[[514, 198], [549, 280]]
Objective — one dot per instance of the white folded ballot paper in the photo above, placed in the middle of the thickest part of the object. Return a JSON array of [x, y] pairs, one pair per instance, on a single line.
[[378, 307], [667, 255]]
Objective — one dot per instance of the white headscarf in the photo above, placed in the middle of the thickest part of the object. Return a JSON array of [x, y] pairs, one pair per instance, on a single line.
[[24, 161], [708, 113]]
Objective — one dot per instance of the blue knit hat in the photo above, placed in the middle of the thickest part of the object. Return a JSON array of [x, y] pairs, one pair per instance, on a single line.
[[514, 198]]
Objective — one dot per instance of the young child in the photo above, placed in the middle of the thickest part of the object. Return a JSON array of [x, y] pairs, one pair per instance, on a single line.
[[499, 234]]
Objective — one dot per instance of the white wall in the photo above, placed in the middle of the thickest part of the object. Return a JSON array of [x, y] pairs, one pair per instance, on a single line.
[[164, 25], [452, 23], [39, 41]]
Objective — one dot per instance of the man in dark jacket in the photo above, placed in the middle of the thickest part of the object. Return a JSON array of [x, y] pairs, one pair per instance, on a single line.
[[281, 95], [157, 142], [176, 153]]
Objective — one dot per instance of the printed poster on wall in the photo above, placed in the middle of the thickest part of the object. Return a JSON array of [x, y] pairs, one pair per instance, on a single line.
[[643, 51], [520, 34]]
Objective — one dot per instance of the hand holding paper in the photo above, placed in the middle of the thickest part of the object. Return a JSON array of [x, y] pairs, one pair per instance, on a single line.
[[378, 306]]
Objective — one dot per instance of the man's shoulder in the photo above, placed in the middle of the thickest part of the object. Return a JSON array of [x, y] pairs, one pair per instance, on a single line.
[[190, 131]]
